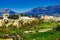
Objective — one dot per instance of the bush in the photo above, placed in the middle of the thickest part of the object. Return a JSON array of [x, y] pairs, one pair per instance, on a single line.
[[57, 28]]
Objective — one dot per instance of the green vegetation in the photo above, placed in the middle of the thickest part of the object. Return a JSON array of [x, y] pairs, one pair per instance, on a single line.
[[13, 16], [12, 30], [49, 24], [42, 36], [37, 24], [25, 14]]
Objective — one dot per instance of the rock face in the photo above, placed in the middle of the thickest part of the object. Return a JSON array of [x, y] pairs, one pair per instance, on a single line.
[[50, 10]]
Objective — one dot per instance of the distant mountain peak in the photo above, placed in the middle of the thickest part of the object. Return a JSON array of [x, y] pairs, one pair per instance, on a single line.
[[49, 10], [6, 10]]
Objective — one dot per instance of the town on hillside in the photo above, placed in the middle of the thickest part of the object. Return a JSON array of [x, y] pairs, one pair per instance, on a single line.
[[17, 27], [6, 18], [29, 19]]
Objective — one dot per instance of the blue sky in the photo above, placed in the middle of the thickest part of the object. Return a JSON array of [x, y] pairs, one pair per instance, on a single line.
[[25, 5]]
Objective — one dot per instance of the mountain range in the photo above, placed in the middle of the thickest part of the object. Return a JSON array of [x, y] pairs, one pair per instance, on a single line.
[[6, 10], [49, 10]]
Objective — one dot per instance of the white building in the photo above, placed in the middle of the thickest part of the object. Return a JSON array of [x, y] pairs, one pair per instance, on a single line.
[[26, 18], [46, 17]]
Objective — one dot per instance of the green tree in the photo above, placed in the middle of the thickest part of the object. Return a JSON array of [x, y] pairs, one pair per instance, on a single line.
[[21, 14], [13, 16], [25, 14]]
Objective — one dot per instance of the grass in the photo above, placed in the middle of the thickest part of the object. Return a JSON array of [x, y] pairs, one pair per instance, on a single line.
[[43, 36], [47, 25]]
